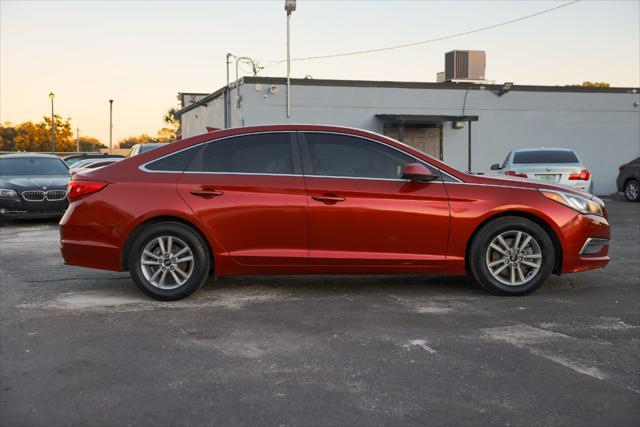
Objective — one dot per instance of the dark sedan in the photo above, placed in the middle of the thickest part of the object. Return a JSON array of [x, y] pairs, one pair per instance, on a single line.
[[629, 180], [32, 186]]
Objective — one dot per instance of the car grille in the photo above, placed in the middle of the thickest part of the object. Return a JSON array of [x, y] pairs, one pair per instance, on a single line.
[[33, 196], [54, 195], [39, 196]]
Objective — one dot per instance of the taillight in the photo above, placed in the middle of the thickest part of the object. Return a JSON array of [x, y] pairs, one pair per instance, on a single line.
[[77, 189], [514, 173], [584, 175], [620, 168]]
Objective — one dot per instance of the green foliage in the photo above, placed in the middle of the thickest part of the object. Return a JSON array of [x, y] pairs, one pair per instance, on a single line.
[[29, 136], [88, 143], [595, 84]]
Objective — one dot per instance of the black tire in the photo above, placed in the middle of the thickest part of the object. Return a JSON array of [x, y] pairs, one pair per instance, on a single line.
[[179, 232], [632, 190], [478, 257]]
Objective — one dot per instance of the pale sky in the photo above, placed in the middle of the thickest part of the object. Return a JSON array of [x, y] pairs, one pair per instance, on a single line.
[[142, 53]]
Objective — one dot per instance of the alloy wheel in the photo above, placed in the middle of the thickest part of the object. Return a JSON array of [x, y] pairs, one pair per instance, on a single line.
[[514, 258], [167, 262], [632, 190]]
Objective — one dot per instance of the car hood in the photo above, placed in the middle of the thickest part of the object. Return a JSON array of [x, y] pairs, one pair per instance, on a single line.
[[34, 182], [514, 181]]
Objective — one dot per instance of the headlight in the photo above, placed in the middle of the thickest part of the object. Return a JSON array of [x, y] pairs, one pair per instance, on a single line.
[[575, 202], [7, 193]]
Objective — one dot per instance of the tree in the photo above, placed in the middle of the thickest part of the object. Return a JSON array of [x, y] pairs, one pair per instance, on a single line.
[[595, 84], [133, 140], [7, 137], [29, 136], [166, 135], [173, 120], [88, 143], [37, 136]]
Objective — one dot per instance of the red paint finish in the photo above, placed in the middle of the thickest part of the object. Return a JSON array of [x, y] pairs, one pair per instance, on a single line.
[[306, 224], [377, 222]]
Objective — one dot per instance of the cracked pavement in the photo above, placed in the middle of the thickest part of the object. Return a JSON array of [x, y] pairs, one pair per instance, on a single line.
[[81, 346]]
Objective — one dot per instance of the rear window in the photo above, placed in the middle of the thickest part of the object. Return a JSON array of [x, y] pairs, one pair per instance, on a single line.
[[32, 166], [266, 153], [545, 156]]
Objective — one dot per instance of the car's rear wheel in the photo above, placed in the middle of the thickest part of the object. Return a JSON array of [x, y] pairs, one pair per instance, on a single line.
[[511, 256], [168, 261], [632, 190]]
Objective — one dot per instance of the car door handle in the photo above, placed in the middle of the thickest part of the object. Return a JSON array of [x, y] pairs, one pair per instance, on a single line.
[[207, 194], [328, 198]]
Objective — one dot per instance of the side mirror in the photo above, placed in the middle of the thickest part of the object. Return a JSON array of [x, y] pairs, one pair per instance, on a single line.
[[418, 172], [495, 167]]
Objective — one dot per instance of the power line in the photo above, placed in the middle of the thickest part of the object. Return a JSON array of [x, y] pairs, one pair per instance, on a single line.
[[401, 46]]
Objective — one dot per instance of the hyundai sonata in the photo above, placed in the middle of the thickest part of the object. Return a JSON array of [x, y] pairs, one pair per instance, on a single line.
[[310, 199]]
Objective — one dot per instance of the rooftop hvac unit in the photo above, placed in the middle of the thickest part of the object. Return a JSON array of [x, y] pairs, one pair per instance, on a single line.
[[464, 65]]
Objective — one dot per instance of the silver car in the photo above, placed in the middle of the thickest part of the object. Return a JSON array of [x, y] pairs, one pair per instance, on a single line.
[[555, 165]]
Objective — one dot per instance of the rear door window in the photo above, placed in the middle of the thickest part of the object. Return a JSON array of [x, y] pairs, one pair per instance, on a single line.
[[265, 153], [545, 156]]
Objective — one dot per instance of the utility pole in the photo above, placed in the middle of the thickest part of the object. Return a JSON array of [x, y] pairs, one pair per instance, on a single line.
[[111, 126], [289, 6], [78, 139], [53, 124]]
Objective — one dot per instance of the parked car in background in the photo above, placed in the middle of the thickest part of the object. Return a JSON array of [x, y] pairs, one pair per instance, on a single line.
[[75, 158], [628, 180], [310, 199], [552, 165], [93, 164], [32, 186], [143, 148]]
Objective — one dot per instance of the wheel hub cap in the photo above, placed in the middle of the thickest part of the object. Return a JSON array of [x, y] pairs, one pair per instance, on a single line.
[[167, 262], [514, 258]]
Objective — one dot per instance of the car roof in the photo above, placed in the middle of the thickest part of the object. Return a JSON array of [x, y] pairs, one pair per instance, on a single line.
[[541, 149], [93, 155], [22, 155]]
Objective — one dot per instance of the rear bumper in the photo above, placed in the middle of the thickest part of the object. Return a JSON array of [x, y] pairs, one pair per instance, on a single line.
[[85, 242], [585, 243]]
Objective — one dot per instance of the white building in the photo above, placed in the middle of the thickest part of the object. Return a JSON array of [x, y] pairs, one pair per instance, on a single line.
[[461, 123]]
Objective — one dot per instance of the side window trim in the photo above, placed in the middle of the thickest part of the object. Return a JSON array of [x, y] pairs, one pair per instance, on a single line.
[[306, 159]]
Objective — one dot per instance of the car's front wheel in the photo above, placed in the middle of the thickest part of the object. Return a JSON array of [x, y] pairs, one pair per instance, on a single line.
[[632, 190], [168, 261], [511, 256]]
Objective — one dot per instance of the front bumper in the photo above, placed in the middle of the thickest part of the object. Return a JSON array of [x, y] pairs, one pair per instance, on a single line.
[[19, 209], [585, 241]]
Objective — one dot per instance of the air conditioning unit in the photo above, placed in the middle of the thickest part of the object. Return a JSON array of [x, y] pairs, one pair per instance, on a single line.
[[465, 65]]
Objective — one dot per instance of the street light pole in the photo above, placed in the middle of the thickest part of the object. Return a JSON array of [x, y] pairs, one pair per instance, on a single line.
[[289, 6], [111, 126], [78, 139], [53, 124]]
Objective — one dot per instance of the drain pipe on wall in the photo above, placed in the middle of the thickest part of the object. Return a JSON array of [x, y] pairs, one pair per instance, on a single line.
[[226, 93], [464, 107], [289, 6], [255, 71]]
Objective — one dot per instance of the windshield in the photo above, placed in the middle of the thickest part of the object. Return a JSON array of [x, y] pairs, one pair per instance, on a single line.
[[148, 147], [32, 166], [545, 156], [73, 161]]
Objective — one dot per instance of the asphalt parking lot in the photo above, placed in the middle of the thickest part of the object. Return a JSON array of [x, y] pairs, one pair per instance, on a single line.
[[84, 347]]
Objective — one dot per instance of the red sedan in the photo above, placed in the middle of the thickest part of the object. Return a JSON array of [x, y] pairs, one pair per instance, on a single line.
[[307, 199]]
